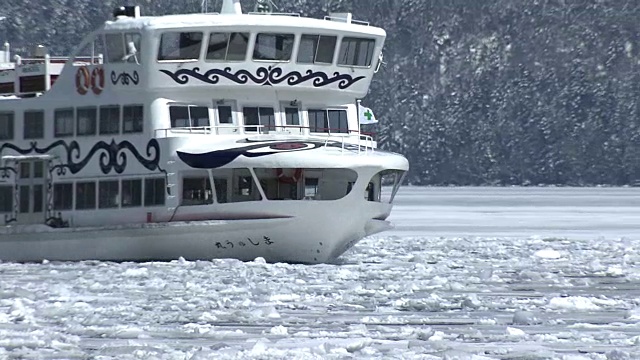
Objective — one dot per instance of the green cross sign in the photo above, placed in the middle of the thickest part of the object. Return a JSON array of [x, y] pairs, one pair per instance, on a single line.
[[368, 115]]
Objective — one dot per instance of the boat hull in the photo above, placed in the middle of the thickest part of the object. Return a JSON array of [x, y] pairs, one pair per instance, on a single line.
[[301, 239]]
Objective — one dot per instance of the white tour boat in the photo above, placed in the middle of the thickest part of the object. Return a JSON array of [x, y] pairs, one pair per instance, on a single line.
[[200, 136]]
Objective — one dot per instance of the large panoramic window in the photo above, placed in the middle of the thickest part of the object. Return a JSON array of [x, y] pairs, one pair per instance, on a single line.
[[33, 124], [316, 49], [180, 46], [132, 118], [63, 122], [227, 46], [188, 116], [274, 47], [356, 51], [6, 125]]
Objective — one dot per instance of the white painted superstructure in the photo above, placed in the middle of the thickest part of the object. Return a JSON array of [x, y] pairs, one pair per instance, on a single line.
[[198, 135]]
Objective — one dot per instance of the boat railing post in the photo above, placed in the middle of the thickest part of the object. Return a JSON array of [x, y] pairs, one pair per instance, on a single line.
[[47, 72]]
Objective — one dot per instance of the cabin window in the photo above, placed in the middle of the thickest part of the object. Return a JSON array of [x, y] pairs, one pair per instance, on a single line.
[[356, 51], [33, 124], [180, 46], [264, 116], [92, 53], [227, 46], [6, 125], [186, 116], [6, 198], [329, 121], [196, 191], [275, 47], [132, 118], [221, 190], [85, 195], [86, 120], [225, 114], [131, 193], [292, 116], [63, 122], [108, 194], [109, 119], [63, 196], [154, 192], [115, 48], [317, 49], [132, 47]]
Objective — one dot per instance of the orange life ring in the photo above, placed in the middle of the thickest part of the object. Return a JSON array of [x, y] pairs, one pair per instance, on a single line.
[[297, 175], [82, 80], [97, 80]]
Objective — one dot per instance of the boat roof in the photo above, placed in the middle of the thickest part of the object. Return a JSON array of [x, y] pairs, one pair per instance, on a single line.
[[185, 21]]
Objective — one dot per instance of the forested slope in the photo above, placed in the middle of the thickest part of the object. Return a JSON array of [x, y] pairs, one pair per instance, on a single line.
[[472, 92]]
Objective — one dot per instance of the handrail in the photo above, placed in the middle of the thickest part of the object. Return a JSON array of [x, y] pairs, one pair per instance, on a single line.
[[274, 13], [364, 142]]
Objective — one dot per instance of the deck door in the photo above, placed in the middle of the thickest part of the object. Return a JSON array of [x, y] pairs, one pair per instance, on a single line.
[[225, 116], [32, 191], [291, 119]]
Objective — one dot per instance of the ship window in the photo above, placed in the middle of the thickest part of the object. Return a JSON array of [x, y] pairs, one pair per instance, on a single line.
[[115, 48], [180, 46], [109, 119], [317, 49], [63, 122], [259, 116], [196, 191], [329, 121], [225, 114], [131, 193], [275, 47], [108, 194], [186, 116], [318, 121], [132, 48], [33, 124], [132, 117], [63, 196], [6, 125], [86, 120], [227, 46], [221, 190], [6, 198], [85, 195], [310, 188], [154, 192], [292, 116], [91, 53], [356, 51]]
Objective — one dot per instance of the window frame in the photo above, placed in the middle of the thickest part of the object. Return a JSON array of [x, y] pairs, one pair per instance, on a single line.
[[65, 205], [190, 118], [152, 190], [103, 128], [7, 130], [93, 129], [30, 123], [85, 202], [228, 42], [316, 49], [179, 49], [329, 129], [357, 52], [256, 53], [137, 123], [136, 199], [6, 202], [56, 132]]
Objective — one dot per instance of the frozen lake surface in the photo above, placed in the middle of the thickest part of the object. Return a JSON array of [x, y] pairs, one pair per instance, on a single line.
[[468, 273]]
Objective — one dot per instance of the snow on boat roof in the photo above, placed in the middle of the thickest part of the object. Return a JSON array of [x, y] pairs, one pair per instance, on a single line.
[[244, 21]]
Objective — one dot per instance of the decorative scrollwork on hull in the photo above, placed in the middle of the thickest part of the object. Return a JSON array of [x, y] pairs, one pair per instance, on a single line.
[[266, 76], [125, 78]]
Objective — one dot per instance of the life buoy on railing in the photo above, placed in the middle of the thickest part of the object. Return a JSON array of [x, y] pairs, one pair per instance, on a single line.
[[97, 80], [297, 175], [82, 80]]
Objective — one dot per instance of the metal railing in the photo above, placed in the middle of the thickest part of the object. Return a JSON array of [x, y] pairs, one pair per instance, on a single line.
[[343, 137]]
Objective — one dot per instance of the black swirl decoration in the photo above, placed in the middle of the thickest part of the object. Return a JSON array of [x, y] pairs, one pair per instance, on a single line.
[[267, 76], [112, 156], [125, 78]]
